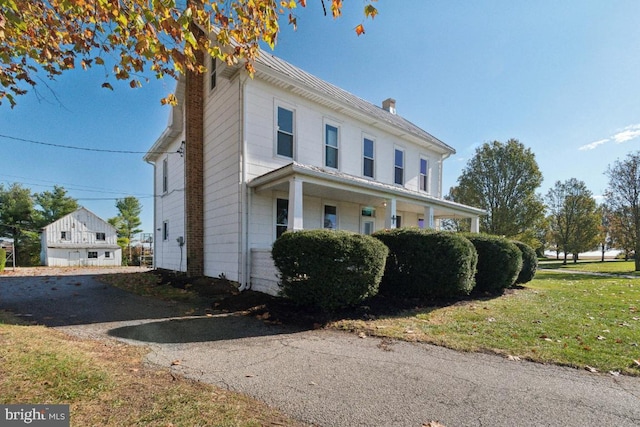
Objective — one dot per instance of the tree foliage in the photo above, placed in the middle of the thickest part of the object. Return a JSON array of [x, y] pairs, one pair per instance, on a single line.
[[574, 217], [502, 178], [138, 36], [623, 201], [53, 205], [127, 221], [16, 216]]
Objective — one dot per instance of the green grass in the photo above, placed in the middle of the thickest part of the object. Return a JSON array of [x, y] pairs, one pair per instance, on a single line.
[[561, 318], [609, 266], [109, 384]]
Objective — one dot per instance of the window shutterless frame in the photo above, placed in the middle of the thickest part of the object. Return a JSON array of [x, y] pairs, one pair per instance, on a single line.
[[398, 168], [285, 138], [331, 141], [368, 162], [424, 174]]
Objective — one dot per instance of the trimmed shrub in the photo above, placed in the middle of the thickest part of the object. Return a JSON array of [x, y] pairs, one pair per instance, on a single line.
[[529, 263], [328, 269], [3, 259], [427, 264], [499, 262]]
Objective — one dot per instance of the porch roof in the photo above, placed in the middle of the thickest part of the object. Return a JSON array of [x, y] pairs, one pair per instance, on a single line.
[[358, 189]]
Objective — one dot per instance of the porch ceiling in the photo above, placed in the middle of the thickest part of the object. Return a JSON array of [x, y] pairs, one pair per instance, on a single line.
[[333, 185]]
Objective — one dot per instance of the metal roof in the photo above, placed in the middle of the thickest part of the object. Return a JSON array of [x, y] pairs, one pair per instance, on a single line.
[[332, 92]]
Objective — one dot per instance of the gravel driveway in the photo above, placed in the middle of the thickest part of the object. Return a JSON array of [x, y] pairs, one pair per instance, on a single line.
[[327, 377]]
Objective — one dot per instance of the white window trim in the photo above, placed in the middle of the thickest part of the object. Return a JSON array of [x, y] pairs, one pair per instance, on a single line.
[[427, 190], [404, 165], [372, 139], [165, 175], [165, 230], [334, 205], [328, 122], [280, 104], [275, 215], [213, 76]]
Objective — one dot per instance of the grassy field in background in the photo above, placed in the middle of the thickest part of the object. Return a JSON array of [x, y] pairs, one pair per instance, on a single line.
[[563, 318], [609, 266]]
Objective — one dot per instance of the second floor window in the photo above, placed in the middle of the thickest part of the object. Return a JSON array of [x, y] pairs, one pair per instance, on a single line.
[[331, 146], [399, 167], [165, 175], [285, 133], [101, 236], [212, 75], [367, 160], [65, 235], [424, 175]]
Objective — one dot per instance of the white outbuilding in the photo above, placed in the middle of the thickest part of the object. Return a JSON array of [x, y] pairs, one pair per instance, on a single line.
[[80, 238]]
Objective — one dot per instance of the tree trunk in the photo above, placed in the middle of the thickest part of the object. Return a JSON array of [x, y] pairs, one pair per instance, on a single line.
[[602, 259], [564, 262]]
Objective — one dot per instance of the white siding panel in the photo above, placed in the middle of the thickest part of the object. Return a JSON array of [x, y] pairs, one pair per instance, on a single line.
[[170, 208], [264, 274], [221, 180]]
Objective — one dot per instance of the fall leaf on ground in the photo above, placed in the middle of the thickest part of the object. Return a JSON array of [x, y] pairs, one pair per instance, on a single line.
[[636, 363], [513, 358], [362, 335], [176, 362], [591, 369], [600, 338], [433, 424]]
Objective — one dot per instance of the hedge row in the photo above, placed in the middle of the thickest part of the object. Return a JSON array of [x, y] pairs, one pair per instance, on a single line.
[[427, 264], [336, 269]]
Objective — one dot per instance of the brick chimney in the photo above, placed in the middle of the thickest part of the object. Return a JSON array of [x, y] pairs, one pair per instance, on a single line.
[[389, 105]]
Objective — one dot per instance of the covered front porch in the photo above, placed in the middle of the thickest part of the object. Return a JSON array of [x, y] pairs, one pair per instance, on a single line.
[[307, 197], [379, 206]]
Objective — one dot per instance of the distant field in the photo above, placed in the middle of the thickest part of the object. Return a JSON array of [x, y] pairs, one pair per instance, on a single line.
[[608, 266]]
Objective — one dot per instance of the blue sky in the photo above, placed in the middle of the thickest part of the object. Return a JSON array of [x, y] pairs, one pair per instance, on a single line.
[[562, 77]]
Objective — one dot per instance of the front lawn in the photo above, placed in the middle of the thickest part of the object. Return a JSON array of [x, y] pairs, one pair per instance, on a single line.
[[109, 384], [569, 319]]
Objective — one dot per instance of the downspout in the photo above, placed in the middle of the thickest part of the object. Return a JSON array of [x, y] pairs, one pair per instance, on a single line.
[[244, 194], [155, 206]]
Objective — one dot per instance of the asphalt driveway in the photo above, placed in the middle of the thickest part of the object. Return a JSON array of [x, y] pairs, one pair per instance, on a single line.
[[330, 378]]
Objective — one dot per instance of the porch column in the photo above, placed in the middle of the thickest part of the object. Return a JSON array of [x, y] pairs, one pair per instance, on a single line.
[[295, 205], [428, 217], [475, 224], [390, 214]]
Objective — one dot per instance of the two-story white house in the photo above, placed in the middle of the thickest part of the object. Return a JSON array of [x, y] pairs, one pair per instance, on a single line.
[[80, 238], [284, 151]]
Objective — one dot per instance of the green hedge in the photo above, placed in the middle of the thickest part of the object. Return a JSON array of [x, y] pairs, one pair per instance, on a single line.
[[426, 264], [3, 259], [328, 269], [499, 262], [529, 263]]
